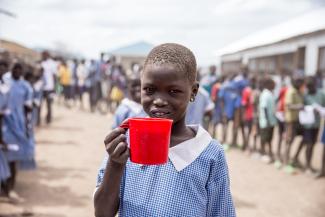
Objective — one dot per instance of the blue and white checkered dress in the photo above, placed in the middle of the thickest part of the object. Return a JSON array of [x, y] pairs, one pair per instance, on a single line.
[[199, 189]]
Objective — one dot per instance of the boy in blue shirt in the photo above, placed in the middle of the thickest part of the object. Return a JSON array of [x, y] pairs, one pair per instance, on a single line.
[[195, 180], [130, 106], [230, 103]]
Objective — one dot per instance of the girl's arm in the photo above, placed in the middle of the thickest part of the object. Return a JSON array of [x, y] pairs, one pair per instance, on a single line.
[[220, 202], [107, 198]]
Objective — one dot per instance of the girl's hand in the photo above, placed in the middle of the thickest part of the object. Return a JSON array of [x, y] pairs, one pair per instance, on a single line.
[[116, 146]]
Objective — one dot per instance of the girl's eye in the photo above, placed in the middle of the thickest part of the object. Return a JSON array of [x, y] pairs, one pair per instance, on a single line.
[[148, 90], [174, 91]]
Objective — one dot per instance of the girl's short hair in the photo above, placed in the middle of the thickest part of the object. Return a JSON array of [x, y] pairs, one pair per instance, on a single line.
[[175, 54]]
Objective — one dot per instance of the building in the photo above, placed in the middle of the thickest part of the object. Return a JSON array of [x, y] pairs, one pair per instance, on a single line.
[[13, 50], [133, 53], [297, 45]]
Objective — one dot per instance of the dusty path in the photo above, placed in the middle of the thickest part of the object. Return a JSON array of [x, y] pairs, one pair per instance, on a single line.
[[71, 149]]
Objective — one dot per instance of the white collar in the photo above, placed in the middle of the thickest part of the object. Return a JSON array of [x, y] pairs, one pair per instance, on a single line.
[[183, 154], [134, 106]]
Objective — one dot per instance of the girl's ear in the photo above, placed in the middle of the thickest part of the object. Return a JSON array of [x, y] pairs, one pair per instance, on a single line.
[[195, 89]]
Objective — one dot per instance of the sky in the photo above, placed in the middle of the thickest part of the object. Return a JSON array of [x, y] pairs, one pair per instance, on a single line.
[[90, 27]]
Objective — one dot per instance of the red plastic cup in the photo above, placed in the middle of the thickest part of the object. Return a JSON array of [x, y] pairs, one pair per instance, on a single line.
[[149, 139]]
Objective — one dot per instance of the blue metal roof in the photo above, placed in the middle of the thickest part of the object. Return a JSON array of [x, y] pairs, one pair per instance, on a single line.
[[141, 48]]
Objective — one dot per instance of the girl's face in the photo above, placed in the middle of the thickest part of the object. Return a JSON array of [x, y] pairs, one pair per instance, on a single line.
[[165, 92]]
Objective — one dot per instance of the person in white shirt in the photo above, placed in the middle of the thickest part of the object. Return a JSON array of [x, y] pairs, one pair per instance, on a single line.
[[49, 72], [82, 73]]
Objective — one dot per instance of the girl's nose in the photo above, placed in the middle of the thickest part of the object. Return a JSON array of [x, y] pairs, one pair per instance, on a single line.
[[159, 102]]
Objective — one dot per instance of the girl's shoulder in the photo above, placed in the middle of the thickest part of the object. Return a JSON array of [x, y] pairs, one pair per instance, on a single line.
[[214, 150], [216, 159]]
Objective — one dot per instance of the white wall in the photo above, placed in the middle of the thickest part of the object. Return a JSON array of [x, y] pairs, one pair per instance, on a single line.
[[312, 43]]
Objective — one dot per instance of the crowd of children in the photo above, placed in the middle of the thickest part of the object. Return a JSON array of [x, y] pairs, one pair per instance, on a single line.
[[258, 107], [24, 88]]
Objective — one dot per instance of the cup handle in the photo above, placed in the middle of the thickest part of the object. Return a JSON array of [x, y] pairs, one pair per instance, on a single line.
[[125, 124]]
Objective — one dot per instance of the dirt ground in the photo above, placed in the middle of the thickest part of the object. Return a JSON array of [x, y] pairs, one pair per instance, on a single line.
[[70, 150]]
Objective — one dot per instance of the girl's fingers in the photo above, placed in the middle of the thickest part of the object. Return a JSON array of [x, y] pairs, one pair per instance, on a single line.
[[125, 155], [110, 147], [120, 149], [113, 134]]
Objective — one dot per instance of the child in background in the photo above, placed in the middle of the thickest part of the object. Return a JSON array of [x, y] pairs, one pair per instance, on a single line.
[[65, 77], [82, 73], [4, 167], [38, 88], [310, 136], [293, 104], [230, 102], [247, 102], [281, 123], [15, 130], [240, 82], [208, 79], [198, 109], [267, 119], [130, 106], [195, 180], [29, 164], [256, 126], [217, 113]]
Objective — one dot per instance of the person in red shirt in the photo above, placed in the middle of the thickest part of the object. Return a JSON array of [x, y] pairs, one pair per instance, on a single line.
[[217, 113], [247, 103], [281, 123]]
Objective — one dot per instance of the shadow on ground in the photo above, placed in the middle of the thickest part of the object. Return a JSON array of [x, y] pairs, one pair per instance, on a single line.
[[47, 195]]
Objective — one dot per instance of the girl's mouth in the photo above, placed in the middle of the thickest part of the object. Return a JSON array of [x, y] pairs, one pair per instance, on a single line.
[[157, 113]]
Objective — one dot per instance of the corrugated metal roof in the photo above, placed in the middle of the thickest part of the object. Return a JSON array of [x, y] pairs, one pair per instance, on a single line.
[[141, 48], [307, 23]]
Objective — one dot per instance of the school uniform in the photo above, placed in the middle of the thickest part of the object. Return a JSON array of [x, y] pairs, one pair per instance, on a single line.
[[37, 99], [127, 109], [196, 110], [231, 98], [217, 113], [15, 126], [29, 163], [4, 95], [194, 182]]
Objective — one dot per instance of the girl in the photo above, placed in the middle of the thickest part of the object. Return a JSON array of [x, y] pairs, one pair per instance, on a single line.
[[195, 180], [15, 130]]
